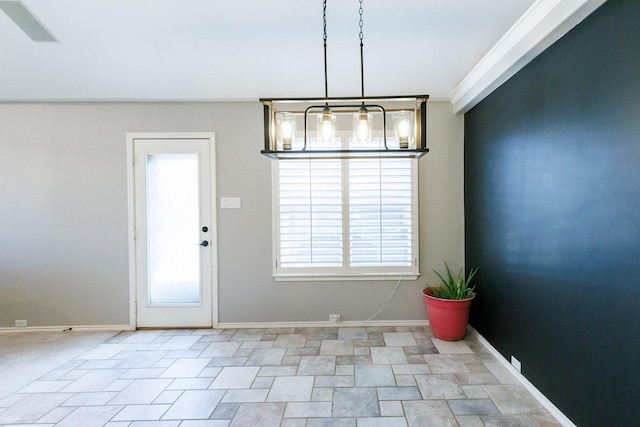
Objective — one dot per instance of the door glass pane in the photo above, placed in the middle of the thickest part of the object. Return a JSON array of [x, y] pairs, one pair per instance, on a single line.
[[173, 228]]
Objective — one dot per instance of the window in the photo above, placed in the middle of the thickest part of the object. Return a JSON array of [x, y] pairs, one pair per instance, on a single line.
[[354, 218]]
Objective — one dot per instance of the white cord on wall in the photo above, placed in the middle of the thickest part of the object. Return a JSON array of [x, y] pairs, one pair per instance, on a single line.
[[386, 304]]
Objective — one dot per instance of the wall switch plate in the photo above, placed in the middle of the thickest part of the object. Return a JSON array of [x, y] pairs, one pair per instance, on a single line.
[[21, 323], [335, 318], [230, 202], [516, 364]]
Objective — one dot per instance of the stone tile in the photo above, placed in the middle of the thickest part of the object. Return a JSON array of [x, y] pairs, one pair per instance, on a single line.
[[44, 386], [308, 410], [382, 422], [225, 411], [374, 376], [317, 365], [274, 371], [256, 344], [331, 422], [194, 404], [262, 382], [473, 407], [399, 393], [248, 335], [227, 361], [94, 380], [141, 413], [179, 343], [259, 414], [235, 377], [353, 360], [293, 422], [90, 399], [445, 364], [507, 421], [154, 424], [352, 334], [291, 389], [140, 373], [501, 373], [413, 369], [168, 396], [355, 402], [335, 381], [451, 346], [55, 415], [89, 416], [246, 396], [142, 359], [513, 399], [387, 356], [434, 413], [345, 369], [469, 421], [391, 408], [290, 341], [336, 348], [544, 420], [474, 391], [266, 357], [405, 380], [204, 423], [322, 394], [185, 368], [103, 351], [399, 339], [140, 392], [190, 384], [421, 349], [439, 386], [476, 379], [221, 349], [33, 407]]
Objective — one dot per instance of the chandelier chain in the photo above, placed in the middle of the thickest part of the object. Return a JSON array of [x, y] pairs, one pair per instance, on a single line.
[[361, 52], [324, 23], [361, 11]]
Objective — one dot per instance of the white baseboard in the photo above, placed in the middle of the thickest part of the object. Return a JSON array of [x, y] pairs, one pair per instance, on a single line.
[[327, 324], [548, 405], [69, 328]]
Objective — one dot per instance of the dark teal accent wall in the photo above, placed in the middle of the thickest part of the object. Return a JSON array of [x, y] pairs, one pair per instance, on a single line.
[[552, 211]]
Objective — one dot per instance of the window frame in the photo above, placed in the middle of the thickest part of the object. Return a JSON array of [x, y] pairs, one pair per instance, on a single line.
[[345, 273]]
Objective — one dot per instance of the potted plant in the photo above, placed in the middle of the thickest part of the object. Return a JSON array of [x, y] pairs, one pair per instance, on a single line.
[[448, 304]]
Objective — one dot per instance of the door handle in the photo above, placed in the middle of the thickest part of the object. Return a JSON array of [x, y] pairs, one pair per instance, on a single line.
[[204, 243]]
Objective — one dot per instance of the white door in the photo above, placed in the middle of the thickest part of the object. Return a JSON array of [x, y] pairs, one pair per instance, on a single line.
[[174, 233]]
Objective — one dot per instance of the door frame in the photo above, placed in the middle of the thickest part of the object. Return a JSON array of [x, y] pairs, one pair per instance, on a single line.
[[131, 206]]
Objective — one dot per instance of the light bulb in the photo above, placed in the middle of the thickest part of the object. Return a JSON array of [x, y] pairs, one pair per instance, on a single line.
[[362, 125], [286, 129], [404, 132], [326, 125]]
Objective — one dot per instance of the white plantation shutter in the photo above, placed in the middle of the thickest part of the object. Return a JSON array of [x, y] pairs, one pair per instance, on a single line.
[[380, 213], [345, 218], [310, 197]]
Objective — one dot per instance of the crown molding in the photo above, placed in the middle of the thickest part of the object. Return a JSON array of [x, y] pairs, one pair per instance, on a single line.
[[539, 27]]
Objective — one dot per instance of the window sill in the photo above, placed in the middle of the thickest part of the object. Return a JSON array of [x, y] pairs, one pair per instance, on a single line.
[[314, 277]]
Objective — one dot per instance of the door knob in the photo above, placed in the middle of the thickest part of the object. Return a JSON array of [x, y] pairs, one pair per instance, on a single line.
[[204, 243]]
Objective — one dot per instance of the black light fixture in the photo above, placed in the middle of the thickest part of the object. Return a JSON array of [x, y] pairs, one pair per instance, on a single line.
[[345, 127]]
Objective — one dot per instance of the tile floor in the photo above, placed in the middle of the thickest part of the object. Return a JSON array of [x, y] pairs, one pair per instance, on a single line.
[[292, 377]]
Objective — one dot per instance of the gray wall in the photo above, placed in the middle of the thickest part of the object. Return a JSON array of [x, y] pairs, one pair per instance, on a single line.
[[63, 216]]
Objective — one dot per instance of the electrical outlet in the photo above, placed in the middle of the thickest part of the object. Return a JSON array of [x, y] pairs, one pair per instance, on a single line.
[[516, 363], [21, 323], [335, 318]]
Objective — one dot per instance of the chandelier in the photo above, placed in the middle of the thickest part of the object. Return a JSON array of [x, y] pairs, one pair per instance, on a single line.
[[345, 127]]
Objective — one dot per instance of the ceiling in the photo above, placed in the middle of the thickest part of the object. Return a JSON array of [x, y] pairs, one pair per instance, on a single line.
[[196, 50]]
